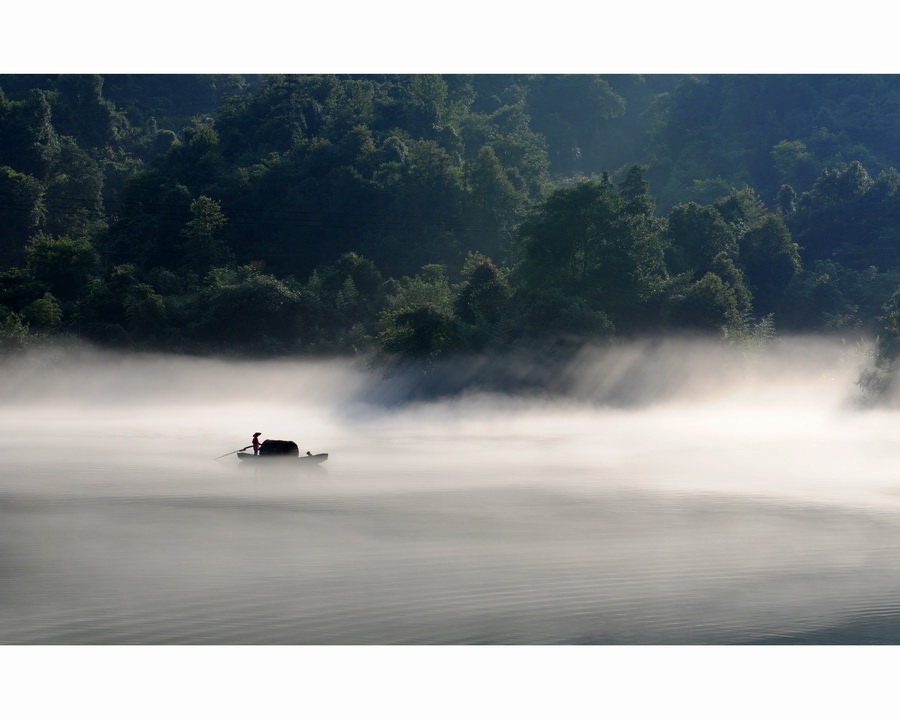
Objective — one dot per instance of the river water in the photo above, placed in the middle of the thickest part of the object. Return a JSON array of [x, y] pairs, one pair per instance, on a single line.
[[672, 494]]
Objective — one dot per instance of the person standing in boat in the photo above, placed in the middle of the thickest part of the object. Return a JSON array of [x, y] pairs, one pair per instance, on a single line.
[[256, 443]]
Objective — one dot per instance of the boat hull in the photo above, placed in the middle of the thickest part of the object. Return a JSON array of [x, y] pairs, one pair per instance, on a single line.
[[302, 459]]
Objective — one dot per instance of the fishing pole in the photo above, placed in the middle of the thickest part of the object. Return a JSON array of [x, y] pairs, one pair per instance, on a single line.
[[232, 453]]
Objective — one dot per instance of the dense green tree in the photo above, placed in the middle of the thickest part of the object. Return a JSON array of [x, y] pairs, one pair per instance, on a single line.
[[485, 292], [550, 314], [351, 103], [707, 304], [570, 111], [520, 149], [22, 212], [285, 110], [154, 211], [786, 200], [741, 207], [724, 267], [125, 310], [137, 307], [418, 319], [63, 263], [582, 242], [354, 271], [246, 311], [850, 217], [426, 205], [839, 186], [99, 315], [794, 163], [80, 110], [422, 332], [417, 103], [45, 313], [494, 205], [202, 246], [198, 161], [13, 332], [698, 234], [18, 287], [483, 303], [635, 191], [73, 191], [771, 259], [342, 305], [29, 143], [172, 99], [829, 296]]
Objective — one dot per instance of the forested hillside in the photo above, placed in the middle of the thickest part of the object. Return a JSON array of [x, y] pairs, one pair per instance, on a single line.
[[424, 215]]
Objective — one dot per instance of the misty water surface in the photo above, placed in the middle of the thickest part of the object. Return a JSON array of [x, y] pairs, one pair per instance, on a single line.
[[658, 493]]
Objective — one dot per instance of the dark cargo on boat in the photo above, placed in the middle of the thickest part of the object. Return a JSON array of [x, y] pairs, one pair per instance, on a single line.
[[286, 448]]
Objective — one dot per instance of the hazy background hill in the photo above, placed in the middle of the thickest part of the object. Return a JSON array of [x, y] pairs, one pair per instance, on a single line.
[[433, 214]]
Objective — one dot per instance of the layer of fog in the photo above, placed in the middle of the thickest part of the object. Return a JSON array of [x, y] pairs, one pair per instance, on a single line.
[[665, 415]]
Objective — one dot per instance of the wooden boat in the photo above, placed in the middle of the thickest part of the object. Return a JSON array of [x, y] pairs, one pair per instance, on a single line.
[[286, 459]]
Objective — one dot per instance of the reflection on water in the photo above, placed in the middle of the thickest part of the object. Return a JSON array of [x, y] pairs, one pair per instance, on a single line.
[[750, 506]]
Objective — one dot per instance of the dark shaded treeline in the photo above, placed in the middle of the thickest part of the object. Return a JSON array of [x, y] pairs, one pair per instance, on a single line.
[[425, 215]]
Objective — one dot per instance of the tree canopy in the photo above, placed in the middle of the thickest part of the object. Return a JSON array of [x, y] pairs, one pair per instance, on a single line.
[[426, 215]]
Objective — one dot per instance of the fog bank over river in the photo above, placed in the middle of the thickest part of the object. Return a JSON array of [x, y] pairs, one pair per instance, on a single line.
[[655, 493]]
